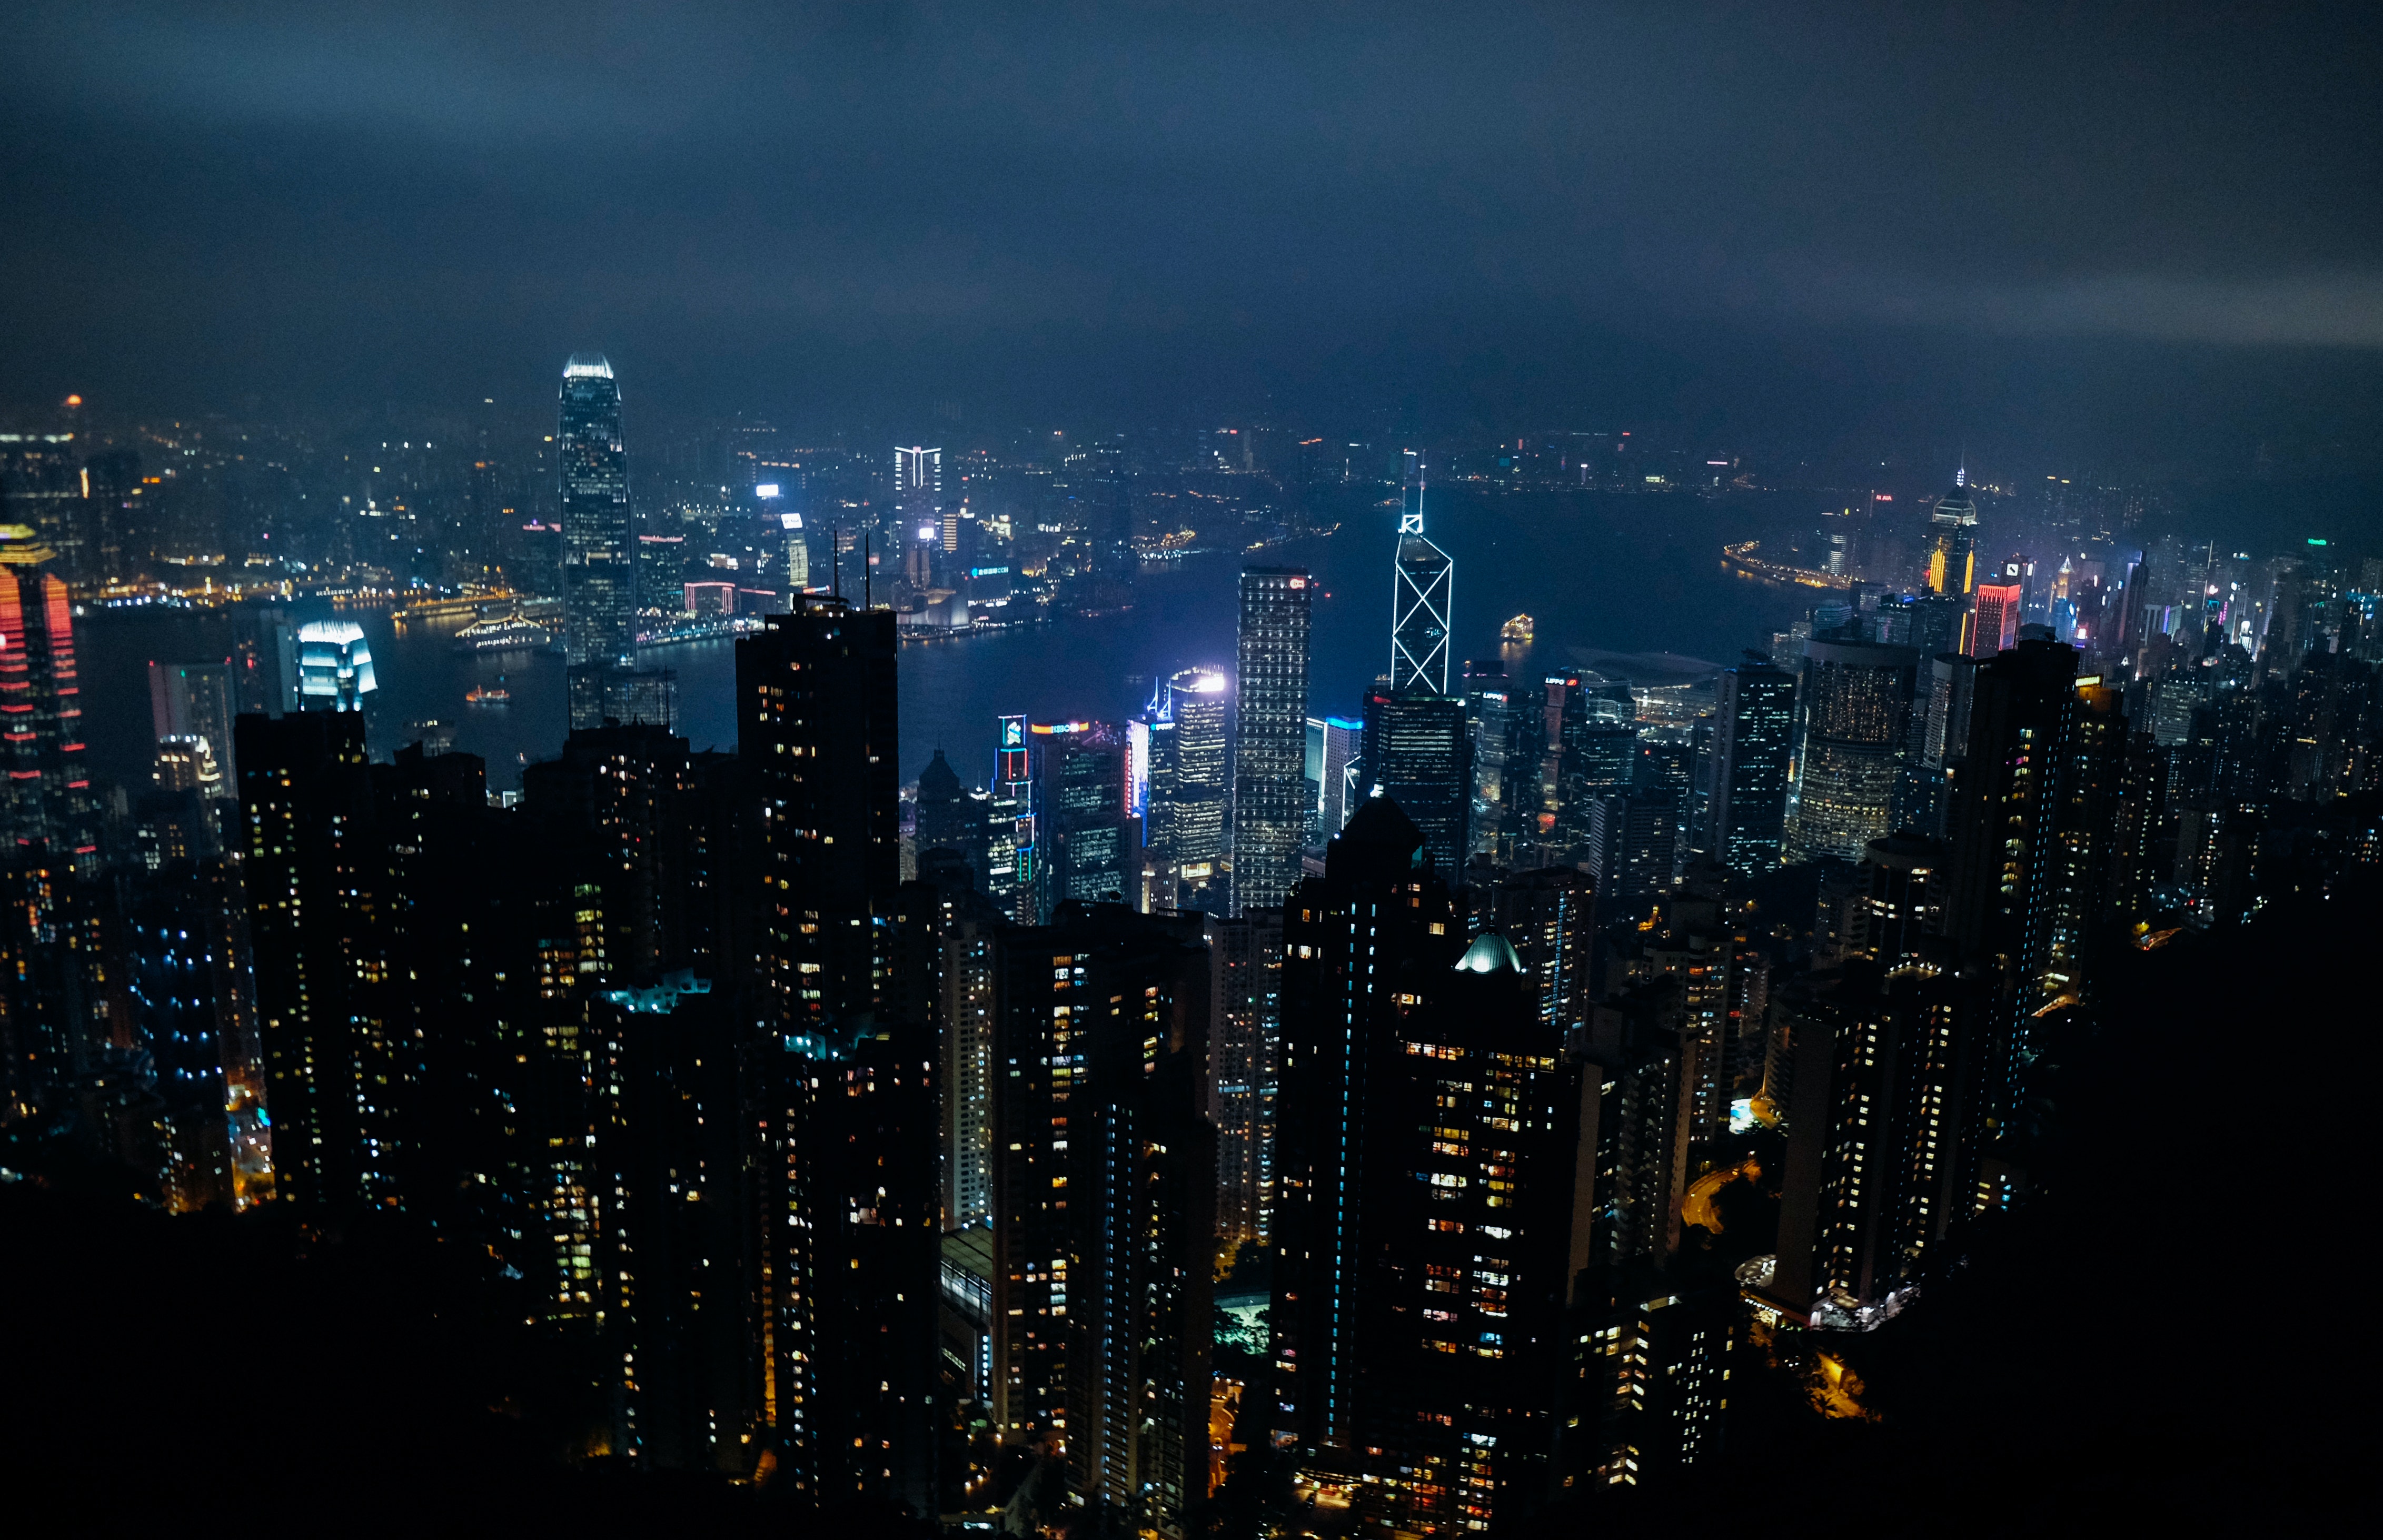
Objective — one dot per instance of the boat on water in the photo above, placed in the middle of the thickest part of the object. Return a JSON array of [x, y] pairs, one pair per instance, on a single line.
[[503, 634], [487, 694]]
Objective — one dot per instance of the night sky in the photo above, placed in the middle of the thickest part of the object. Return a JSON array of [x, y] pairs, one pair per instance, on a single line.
[[2147, 231]]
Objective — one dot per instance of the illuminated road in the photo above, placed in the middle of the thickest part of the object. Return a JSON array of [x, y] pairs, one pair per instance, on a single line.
[[1696, 1205]]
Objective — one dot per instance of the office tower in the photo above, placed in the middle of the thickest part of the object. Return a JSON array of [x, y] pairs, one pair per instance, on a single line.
[[1633, 844], [332, 1069], [599, 588], [1548, 914], [1490, 706], [600, 694], [1423, 590], [817, 732], [1419, 754], [1009, 815], [1878, 1147], [1855, 711], [50, 812], [265, 664], [1187, 793], [1754, 723], [1597, 747], [1952, 540], [1994, 627], [918, 484], [797, 554], [948, 818], [1270, 801], [1105, 1183], [1334, 762], [335, 666], [1246, 965], [195, 701], [1087, 839]]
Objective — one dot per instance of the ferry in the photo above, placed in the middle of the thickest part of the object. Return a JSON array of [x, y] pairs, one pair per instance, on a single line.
[[487, 694], [1519, 629], [503, 634]]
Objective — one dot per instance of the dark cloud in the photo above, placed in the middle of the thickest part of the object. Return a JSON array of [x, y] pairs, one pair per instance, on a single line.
[[1558, 205]]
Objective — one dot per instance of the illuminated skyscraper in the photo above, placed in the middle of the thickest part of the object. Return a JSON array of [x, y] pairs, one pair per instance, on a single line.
[[335, 666], [598, 585], [1423, 588], [1270, 797], [1995, 628], [1188, 793], [1856, 709], [1952, 540], [49, 804]]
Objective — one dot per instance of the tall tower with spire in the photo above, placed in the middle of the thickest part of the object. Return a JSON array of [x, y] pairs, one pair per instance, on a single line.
[[1417, 750], [1953, 539], [1423, 587]]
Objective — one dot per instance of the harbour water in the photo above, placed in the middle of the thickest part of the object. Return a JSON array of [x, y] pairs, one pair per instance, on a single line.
[[1623, 575]]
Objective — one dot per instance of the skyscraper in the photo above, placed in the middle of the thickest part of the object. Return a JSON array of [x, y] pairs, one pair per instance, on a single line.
[[335, 666], [49, 803], [1423, 587], [598, 581], [1270, 798], [1755, 720], [333, 1069], [195, 701], [1952, 540], [1430, 1224], [1419, 754], [815, 728], [1105, 1183], [1995, 628], [1187, 793], [1335, 752], [1087, 839], [1856, 710]]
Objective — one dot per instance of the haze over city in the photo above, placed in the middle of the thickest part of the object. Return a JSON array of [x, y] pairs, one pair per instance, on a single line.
[[1187, 771]]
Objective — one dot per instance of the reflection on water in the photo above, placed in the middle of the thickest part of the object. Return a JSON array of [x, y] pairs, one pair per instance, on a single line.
[[1623, 575]]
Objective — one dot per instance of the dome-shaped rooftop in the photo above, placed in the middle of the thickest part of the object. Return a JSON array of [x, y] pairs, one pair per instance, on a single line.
[[1490, 952]]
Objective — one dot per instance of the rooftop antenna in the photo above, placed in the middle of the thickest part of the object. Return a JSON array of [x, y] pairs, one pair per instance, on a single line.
[[836, 560], [866, 602], [1961, 476]]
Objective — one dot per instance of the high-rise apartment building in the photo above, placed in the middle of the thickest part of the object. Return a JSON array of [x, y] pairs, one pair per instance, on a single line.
[[334, 1070], [1246, 968], [817, 729], [599, 604], [1753, 735], [1105, 1183], [1270, 797]]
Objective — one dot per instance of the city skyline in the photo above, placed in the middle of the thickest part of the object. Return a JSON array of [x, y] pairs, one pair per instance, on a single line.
[[1187, 773]]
